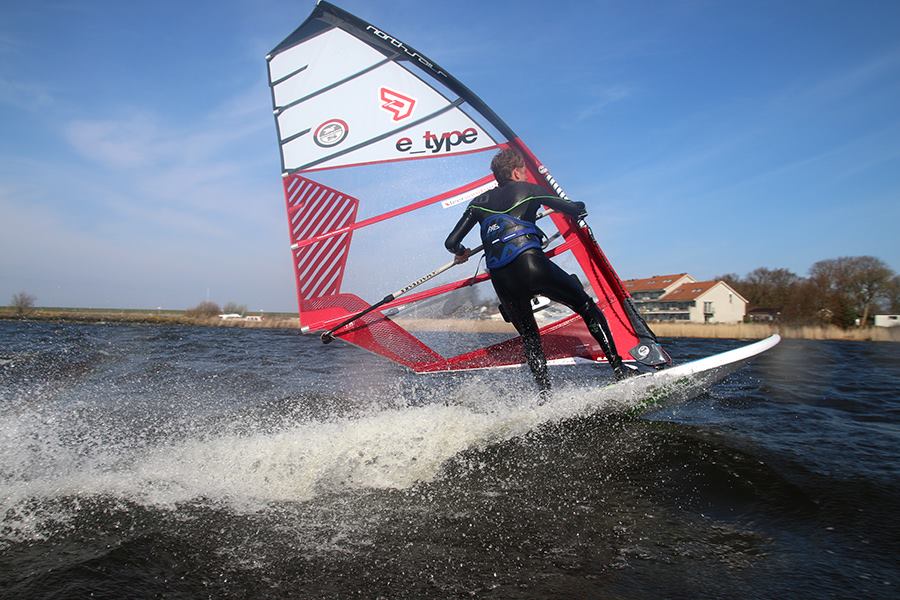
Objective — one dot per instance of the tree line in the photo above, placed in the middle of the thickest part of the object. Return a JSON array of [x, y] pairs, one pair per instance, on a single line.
[[839, 291], [212, 309], [23, 304]]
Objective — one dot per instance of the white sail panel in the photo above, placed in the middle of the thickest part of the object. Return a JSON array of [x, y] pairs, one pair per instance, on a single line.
[[367, 119], [452, 132], [317, 63]]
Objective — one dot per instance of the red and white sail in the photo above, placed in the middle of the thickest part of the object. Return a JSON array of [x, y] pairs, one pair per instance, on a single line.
[[381, 150]]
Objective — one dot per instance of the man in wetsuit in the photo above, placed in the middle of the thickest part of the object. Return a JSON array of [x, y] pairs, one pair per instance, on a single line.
[[518, 266]]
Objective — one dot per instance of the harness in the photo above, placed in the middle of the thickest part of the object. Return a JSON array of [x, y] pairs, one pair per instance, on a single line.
[[506, 237]]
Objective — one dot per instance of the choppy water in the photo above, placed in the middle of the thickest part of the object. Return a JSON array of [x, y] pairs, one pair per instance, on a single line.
[[177, 462]]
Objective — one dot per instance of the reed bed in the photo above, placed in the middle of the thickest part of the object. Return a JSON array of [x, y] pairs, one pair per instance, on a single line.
[[147, 316], [744, 331], [756, 331]]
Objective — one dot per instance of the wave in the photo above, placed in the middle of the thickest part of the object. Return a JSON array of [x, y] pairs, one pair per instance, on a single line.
[[246, 461]]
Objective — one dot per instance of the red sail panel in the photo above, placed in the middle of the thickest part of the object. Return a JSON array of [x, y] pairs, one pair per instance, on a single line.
[[314, 209], [374, 331], [565, 339]]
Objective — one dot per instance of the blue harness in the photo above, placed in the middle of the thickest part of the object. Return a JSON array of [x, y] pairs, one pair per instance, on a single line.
[[507, 237]]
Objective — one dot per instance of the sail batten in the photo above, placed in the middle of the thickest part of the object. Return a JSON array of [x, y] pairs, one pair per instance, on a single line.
[[298, 101]]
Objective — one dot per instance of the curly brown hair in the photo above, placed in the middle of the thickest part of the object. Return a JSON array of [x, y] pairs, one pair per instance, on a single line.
[[504, 162]]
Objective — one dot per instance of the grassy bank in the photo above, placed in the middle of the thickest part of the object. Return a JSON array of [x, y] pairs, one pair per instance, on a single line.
[[755, 331], [148, 316], [290, 321], [740, 331]]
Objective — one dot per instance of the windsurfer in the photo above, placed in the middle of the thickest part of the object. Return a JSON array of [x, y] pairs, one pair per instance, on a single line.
[[518, 266]]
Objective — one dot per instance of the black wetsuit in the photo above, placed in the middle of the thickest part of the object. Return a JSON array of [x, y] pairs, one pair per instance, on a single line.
[[523, 271]]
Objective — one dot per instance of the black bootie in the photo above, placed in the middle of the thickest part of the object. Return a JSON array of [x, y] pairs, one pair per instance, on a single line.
[[621, 370], [599, 328]]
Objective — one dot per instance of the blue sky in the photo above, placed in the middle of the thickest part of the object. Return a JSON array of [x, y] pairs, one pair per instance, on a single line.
[[139, 164]]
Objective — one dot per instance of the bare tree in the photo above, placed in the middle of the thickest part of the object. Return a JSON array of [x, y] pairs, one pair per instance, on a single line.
[[870, 280], [804, 305], [204, 309], [892, 295], [851, 285], [732, 279], [23, 302], [234, 308], [765, 288], [838, 290], [771, 287]]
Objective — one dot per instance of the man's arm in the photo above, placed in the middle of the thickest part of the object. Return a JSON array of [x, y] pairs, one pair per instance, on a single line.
[[574, 209], [463, 226]]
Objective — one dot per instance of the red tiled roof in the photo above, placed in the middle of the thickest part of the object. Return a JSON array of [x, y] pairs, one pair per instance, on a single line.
[[652, 284], [688, 291]]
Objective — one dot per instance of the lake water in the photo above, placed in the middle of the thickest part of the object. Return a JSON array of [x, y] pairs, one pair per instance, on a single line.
[[180, 462]]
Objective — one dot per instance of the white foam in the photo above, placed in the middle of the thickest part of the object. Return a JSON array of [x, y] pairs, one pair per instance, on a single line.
[[392, 448]]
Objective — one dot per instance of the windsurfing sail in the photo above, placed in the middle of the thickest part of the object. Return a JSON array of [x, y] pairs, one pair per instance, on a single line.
[[381, 149]]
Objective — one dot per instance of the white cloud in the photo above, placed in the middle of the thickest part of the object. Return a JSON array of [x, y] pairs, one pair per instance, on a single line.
[[180, 176], [603, 97], [854, 79], [49, 254], [141, 139], [159, 212], [23, 95], [252, 103], [134, 141]]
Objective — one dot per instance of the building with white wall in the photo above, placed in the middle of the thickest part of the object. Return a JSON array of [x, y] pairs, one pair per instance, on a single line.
[[680, 297], [887, 320], [654, 287]]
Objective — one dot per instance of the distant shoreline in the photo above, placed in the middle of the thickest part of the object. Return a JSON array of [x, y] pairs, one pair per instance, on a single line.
[[149, 317], [287, 321]]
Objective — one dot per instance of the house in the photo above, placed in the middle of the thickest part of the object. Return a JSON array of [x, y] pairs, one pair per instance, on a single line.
[[654, 287], [680, 297], [887, 320]]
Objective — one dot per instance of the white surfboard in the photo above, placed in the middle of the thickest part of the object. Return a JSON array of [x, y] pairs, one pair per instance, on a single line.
[[652, 391]]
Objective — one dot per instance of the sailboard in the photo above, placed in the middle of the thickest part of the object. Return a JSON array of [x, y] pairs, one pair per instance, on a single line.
[[669, 387], [381, 149]]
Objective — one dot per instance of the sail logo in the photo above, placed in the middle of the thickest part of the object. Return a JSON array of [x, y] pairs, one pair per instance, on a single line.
[[556, 187], [331, 133], [409, 51], [466, 196], [396, 103], [435, 143]]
